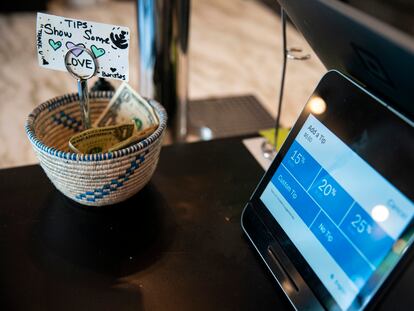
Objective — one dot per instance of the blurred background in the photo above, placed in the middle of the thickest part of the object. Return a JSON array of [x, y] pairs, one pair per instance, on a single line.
[[235, 48]]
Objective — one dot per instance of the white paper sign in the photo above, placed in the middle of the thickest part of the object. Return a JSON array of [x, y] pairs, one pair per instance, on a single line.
[[55, 35]]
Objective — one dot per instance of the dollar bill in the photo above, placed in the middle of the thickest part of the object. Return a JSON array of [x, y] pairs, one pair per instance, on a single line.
[[97, 140], [136, 137], [125, 106]]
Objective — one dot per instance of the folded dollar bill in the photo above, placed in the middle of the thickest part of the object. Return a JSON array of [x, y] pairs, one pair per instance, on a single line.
[[108, 139], [128, 106], [136, 137], [102, 139]]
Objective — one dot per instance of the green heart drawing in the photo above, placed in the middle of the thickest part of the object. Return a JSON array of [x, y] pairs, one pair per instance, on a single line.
[[55, 45], [98, 52]]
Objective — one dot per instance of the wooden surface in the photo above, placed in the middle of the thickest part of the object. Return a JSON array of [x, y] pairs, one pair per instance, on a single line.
[[235, 48]]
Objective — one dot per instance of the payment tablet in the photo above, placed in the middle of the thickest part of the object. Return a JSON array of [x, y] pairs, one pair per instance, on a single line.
[[333, 216]]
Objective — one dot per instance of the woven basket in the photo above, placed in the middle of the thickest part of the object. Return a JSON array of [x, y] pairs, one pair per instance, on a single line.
[[90, 179]]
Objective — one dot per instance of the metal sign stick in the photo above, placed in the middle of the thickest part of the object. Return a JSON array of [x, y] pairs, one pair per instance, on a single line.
[[82, 84], [269, 151], [84, 102]]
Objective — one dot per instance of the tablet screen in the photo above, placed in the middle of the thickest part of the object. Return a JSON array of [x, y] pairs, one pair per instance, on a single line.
[[339, 212]]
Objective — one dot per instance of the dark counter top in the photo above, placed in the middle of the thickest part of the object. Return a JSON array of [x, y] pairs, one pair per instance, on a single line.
[[176, 245]]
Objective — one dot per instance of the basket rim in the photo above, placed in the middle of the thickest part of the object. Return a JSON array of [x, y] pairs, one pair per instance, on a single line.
[[59, 101]]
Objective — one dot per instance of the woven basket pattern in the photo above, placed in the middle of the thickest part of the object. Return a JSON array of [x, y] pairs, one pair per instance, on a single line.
[[90, 179]]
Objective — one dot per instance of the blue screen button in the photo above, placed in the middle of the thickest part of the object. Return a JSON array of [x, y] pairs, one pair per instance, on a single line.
[[345, 254], [366, 234], [331, 196], [301, 164], [295, 195]]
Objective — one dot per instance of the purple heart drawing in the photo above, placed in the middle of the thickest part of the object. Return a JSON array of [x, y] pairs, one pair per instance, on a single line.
[[72, 47]]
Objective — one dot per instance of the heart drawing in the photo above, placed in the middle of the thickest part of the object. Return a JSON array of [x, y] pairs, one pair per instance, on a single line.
[[98, 52], [72, 47], [113, 69], [55, 45]]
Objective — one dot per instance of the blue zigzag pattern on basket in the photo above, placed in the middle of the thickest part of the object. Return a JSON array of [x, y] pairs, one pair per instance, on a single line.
[[114, 184], [67, 121]]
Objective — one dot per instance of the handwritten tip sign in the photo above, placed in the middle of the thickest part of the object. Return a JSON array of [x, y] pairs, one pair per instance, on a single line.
[[109, 44]]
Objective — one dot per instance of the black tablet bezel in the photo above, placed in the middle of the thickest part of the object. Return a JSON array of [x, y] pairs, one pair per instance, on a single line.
[[351, 112]]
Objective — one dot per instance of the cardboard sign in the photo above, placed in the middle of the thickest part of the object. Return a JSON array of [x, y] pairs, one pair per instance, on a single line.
[[56, 35]]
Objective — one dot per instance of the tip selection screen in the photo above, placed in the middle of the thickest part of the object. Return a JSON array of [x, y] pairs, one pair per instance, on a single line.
[[340, 213]]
